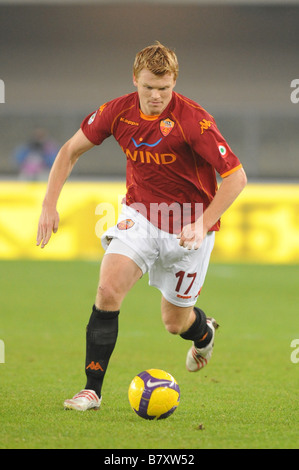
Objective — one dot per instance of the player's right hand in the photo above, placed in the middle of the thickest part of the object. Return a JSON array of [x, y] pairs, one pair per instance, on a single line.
[[191, 237], [48, 224]]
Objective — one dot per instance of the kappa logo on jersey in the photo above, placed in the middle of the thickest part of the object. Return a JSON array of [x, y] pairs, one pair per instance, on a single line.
[[204, 125], [223, 150], [166, 126], [125, 224], [101, 108], [127, 121]]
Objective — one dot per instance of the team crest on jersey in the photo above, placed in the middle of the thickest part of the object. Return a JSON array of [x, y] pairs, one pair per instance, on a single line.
[[166, 126], [125, 224]]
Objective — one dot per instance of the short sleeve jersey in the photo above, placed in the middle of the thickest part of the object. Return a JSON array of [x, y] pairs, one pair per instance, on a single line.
[[172, 159]]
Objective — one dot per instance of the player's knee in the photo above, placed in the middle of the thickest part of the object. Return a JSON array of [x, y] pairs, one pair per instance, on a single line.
[[108, 297], [173, 328]]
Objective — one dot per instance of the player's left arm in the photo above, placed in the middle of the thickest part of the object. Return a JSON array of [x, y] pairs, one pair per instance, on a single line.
[[231, 186]]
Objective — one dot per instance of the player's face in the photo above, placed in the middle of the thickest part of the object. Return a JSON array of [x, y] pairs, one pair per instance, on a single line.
[[155, 92]]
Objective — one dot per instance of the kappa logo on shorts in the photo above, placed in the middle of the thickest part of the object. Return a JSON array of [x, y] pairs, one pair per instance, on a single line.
[[125, 224]]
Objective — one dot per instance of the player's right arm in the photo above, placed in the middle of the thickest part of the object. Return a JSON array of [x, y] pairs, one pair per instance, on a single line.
[[61, 169]]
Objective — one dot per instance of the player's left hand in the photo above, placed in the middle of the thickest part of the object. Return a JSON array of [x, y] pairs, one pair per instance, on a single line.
[[191, 237]]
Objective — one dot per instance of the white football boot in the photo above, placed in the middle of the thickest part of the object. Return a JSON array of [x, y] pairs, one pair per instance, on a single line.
[[197, 358], [84, 400]]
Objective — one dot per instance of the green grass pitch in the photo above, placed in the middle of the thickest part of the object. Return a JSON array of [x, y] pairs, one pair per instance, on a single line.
[[247, 397]]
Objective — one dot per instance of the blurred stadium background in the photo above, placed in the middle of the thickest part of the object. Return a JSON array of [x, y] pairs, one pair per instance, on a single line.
[[60, 60]]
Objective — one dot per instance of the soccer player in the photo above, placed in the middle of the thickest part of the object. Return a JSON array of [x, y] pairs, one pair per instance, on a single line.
[[170, 213]]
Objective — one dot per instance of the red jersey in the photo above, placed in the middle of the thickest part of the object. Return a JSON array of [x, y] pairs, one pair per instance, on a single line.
[[171, 158]]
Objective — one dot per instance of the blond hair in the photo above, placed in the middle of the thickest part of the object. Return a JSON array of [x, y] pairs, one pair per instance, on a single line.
[[158, 59]]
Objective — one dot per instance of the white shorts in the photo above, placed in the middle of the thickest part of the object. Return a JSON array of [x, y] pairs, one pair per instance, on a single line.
[[177, 272]]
